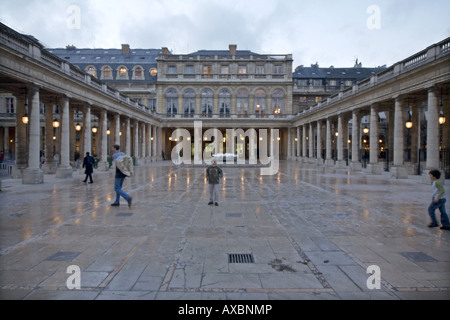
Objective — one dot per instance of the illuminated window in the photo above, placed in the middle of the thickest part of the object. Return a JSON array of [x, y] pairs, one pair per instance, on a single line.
[[207, 71], [260, 103], [123, 72], [242, 103], [92, 71], [153, 72], [242, 70]]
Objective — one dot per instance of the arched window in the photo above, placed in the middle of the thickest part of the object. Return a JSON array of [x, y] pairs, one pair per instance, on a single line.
[[224, 103], [91, 70], [242, 103], [207, 102], [278, 102], [122, 73], [260, 103], [106, 73], [189, 102], [171, 102], [138, 73]]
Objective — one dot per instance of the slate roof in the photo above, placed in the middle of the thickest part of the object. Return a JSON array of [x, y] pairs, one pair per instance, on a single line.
[[335, 73], [114, 58]]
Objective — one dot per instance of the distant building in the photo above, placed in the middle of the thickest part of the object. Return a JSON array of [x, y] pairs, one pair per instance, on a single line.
[[314, 84]]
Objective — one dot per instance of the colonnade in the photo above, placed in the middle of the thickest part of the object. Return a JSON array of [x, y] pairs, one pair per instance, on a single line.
[[37, 140], [324, 141]]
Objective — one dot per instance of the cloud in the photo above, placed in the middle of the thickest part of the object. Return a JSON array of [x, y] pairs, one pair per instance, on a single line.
[[329, 32]]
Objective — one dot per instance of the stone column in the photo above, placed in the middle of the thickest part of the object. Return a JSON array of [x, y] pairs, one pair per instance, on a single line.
[[374, 167], [127, 136], [33, 173], [144, 143], [432, 134], [398, 170], [415, 135], [329, 162], [298, 154], [319, 158], [21, 140], [87, 129], [64, 169], [340, 163], [154, 145], [355, 164], [311, 144], [136, 142], [304, 145], [117, 129], [103, 164]]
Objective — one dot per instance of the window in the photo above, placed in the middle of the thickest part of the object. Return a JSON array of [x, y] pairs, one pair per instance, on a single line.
[[107, 73], [172, 70], [278, 102], [224, 69], [348, 83], [259, 70], [207, 71], [92, 71], [333, 83], [224, 102], [9, 104], [242, 70], [189, 69], [260, 102], [302, 82], [171, 102], [207, 102], [138, 73], [189, 102], [317, 82], [122, 73], [278, 69], [242, 103]]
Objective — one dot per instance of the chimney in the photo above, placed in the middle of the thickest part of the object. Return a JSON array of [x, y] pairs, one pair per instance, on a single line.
[[165, 51], [233, 49], [125, 48]]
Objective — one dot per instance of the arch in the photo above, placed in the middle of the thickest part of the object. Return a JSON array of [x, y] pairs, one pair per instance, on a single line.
[[224, 102], [242, 102], [278, 102], [189, 102], [207, 97], [260, 103], [171, 102]]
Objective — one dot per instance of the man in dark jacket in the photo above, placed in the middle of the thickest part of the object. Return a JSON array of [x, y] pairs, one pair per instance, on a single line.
[[213, 174], [88, 163]]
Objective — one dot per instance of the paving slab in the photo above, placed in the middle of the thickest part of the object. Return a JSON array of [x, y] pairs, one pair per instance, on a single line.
[[311, 234]]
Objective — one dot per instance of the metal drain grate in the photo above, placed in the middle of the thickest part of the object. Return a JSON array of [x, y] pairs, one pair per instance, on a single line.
[[240, 258]]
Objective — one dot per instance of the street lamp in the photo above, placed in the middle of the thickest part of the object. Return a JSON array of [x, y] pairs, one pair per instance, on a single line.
[[78, 127], [55, 123], [25, 118], [442, 118]]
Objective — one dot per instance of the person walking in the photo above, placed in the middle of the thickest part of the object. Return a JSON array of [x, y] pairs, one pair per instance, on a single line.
[[88, 163], [124, 168], [213, 175], [438, 202]]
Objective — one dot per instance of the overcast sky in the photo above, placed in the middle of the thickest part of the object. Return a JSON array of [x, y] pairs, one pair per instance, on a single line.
[[330, 32]]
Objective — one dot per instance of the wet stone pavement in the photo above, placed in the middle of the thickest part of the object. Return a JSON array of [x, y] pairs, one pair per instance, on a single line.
[[304, 233]]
